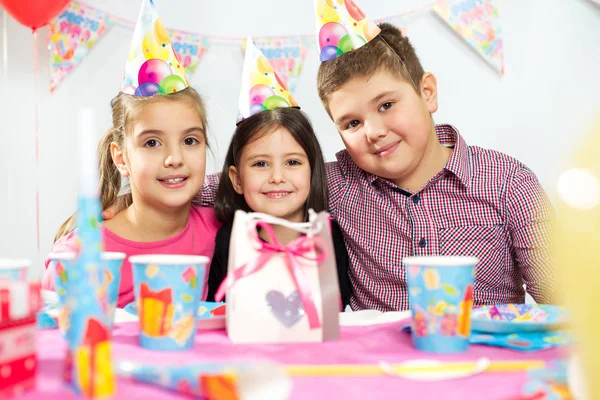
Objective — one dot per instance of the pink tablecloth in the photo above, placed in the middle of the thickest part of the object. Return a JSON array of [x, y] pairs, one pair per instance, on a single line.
[[367, 345]]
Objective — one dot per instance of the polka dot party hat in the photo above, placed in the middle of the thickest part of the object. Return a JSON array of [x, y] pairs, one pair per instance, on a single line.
[[261, 87], [152, 66], [342, 27]]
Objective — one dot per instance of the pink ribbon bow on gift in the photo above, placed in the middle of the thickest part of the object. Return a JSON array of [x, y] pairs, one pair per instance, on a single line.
[[301, 247]]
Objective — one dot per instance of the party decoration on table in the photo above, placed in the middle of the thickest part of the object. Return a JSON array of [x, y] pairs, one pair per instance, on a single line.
[[90, 358], [72, 35], [13, 269], [341, 28], [152, 66], [277, 293], [548, 383], [478, 23], [88, 364], [523, 341], [19, 304], [511, 318], [166, 301], [189, 47], [253, 381], [34, 13], [441, 296], [261, 87], [286, 54]]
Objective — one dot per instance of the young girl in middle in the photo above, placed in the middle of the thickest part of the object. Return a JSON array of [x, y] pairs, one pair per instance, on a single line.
[[274, 165]]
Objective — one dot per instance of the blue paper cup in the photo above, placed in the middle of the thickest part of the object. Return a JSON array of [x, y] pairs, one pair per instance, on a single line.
[[111, 278], [13, 269], [168, 288], [440, 291], [62, 262]]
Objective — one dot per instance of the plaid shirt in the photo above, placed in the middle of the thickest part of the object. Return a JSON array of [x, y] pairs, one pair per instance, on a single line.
[[483, 203]]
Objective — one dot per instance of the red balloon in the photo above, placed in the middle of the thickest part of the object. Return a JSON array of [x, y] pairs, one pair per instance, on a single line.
[[34, 13]]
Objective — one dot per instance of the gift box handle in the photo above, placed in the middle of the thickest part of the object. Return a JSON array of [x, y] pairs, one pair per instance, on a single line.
[[312, 227]]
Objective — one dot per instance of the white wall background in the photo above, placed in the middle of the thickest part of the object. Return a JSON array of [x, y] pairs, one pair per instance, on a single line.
[[546, 101]]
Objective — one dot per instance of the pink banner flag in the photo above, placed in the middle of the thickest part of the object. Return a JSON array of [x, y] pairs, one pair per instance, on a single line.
[[190, 47], [478, 23], [286, 55], [72, 35]]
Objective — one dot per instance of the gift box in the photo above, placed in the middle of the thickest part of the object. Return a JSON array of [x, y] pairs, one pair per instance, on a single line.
[[281, 293], [19, 303], [156, 311]]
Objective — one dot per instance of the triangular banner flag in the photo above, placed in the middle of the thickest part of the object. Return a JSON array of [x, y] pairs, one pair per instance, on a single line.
[[286, 55], [477, 22], [72, 35], [190, 47]]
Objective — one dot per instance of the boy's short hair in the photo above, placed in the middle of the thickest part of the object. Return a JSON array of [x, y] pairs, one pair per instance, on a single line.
[[386, 52]]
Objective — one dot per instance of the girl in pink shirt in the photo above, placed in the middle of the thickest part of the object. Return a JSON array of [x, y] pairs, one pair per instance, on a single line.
[[159, 143]]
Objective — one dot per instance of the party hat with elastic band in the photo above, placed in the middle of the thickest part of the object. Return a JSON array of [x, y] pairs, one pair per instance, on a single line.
[[152, 66], [261, 87], [342, 27]]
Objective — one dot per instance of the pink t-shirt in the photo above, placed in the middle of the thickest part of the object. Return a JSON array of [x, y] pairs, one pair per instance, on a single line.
[[197, 238]]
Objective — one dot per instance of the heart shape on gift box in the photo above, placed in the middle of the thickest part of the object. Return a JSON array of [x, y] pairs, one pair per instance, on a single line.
[[288, 310]]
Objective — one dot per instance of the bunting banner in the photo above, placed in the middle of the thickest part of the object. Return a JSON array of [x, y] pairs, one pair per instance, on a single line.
[[190, 47], [72, 35], [74, 32], [478, 23], [286, 55]]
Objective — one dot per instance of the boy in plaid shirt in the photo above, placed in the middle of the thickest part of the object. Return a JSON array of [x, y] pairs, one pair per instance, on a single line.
[[407, 187]]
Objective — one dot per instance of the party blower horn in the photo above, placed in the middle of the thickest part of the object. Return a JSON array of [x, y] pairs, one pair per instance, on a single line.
[[248, 381], [88, 366]]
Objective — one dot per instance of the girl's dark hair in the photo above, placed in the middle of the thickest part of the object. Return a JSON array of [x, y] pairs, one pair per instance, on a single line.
[[228, 201]]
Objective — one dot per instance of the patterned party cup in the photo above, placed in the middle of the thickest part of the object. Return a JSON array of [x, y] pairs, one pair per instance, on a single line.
[[440, 290], [167, 292], [13, 269], [62, 263], [111, 278]]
